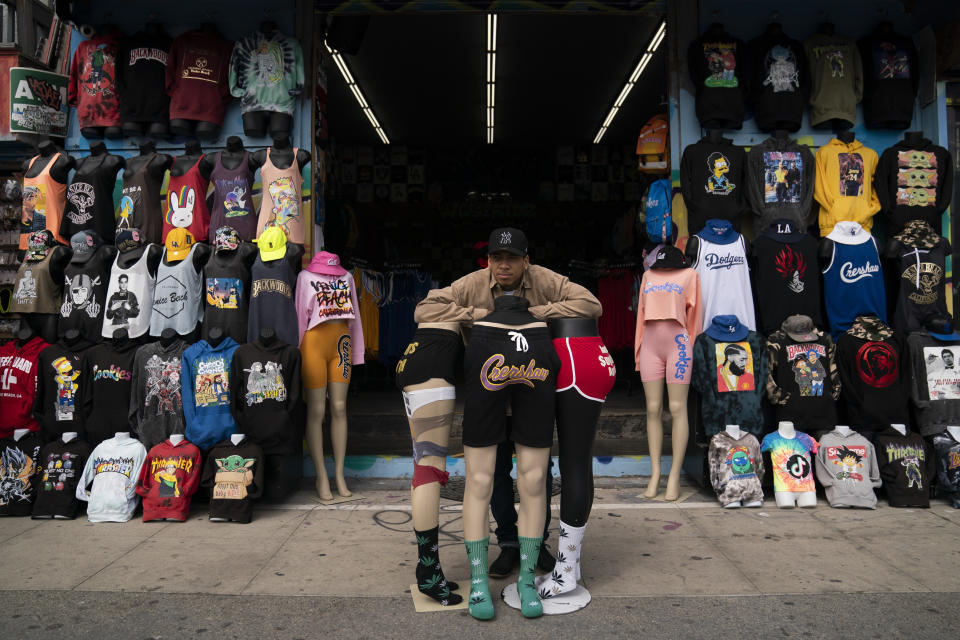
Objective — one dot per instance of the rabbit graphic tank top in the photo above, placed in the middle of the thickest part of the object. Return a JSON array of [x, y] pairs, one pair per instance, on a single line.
[[186, 204]]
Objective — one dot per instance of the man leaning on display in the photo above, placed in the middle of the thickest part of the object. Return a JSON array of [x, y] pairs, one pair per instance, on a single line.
[[468, 300]]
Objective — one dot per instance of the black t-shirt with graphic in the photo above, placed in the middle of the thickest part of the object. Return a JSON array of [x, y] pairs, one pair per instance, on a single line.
[[719, 70], [803, 383], [265, 401], [788, 278], [21, 473], [141, 77], [226, 292], [712, 180], [107, 384], [891, 78], [906, 467], [234, 474], [780, 82], [61, 466], [874, 382]]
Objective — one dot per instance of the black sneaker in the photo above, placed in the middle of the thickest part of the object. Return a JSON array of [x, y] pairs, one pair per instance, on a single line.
[[504, 565], [545, 561]]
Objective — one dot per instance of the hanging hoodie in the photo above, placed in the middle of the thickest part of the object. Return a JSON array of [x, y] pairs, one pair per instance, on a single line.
[[266, 394], [156, 404], [109, 481], [891, 78], [729, 376], [906, 467], [802, 383], [19, 474], [844, 184], [919, 256], [141, 75], [322, 297], [206, 371], [92, 90], [947, 453], [266, 72], [712, 182], [780, 182], [852, 279], [934, 381], [18, 385], [780, 82], [914, 182], [836, 77], [847, 468], [59, 392], [721, 263], [736, 467], [61, 465], [787, 275], [106, 385], [169, 478], [874, 375], [196, 76], [718, 64], [235, 473], [792, 461]]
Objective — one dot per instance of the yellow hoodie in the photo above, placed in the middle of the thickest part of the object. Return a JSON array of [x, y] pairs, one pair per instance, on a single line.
[[844, 186]]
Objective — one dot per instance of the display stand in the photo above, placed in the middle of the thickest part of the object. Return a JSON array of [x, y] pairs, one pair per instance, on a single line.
[[557, 605]]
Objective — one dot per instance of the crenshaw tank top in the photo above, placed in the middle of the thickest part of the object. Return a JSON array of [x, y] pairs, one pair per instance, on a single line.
[[281, 204], [853, 284], [186, 205], [140, 203], [232, 202], [129, 303], [43, 203]]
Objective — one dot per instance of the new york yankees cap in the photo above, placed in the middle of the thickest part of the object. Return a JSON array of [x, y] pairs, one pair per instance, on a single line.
[[508, 239]]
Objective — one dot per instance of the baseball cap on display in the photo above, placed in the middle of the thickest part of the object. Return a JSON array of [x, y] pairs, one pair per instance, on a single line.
[[39, 244], [272, 243], [128, 239], [178, 244], [84, 244], [800, 328], [509, 240], [226, 239], [669, 257]]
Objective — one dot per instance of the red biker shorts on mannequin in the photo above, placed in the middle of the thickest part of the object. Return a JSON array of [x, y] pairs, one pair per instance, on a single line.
[[585, 365]]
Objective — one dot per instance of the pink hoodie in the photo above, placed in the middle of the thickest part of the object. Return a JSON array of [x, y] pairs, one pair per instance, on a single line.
[[322, 297]]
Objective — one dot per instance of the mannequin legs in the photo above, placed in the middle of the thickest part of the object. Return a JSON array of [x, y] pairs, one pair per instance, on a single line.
[[425, 498], [316, 407], [576, 427], [677, 399]]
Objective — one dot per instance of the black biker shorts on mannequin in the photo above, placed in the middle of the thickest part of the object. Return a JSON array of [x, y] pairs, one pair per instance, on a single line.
[[519, 368], [432, 353]]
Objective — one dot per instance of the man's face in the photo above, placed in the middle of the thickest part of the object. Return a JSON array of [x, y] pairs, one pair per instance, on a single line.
[[948, 358], [508, 269], [739, 358]]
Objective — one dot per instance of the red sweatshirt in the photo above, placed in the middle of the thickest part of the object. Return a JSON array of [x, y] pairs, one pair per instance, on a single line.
[[169, 478], [18, 385]]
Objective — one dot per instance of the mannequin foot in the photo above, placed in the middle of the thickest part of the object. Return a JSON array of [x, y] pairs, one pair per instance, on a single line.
[[673, 488], [342, 487], [323, 488], [480, 602], [530, 605], [430, 578], [653, 486]]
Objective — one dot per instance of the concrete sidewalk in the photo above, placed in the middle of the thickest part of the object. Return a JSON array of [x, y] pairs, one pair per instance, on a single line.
[[634, 548]]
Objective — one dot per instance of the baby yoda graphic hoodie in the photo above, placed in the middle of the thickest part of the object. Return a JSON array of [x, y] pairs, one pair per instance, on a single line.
[[914, 182]]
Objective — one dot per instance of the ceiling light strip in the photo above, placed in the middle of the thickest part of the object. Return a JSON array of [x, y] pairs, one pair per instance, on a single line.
[[632, 80], [491, 72], [357, 93]]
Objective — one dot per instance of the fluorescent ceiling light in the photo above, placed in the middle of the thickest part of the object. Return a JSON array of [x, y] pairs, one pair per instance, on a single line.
[[632, 80], [491, 72], [357, 93]]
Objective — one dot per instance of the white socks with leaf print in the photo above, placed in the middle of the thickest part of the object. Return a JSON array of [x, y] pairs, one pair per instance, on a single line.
[[567, 572]]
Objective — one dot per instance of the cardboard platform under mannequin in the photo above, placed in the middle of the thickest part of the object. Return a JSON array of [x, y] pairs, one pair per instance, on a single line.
[[426, 604]]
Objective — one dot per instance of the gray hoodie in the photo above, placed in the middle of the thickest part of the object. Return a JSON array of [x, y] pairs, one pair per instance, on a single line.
[[780, 181], [847, 468]]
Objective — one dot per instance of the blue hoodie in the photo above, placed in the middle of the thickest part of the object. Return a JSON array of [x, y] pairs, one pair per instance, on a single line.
[[205, 371]]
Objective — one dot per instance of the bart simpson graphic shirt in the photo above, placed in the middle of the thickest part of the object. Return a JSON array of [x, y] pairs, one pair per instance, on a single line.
[[792, 461]]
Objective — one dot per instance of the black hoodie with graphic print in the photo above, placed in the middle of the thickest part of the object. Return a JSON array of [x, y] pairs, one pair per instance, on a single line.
[[712, 182], [719, 68]]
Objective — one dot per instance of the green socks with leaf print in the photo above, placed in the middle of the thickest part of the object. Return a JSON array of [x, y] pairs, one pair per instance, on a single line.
[[530, 605], [480, 602]]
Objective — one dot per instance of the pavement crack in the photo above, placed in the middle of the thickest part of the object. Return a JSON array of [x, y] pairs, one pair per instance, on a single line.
[[275, 552]]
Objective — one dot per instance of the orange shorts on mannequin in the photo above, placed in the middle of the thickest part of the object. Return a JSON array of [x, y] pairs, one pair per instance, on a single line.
[[326, 354]]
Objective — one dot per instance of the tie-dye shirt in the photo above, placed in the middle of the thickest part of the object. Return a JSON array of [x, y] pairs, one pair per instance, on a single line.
[[792, 461]]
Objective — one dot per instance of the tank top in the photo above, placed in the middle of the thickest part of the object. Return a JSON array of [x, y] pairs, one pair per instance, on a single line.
[[186, 204], [271, 300], [853, 283], [84, 295], [90, 199], [725, 281], [43, 203], [176, 296], [129, 309], [232, 201], [140, 203], [281, 203], [36, 292], [226, 295]]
